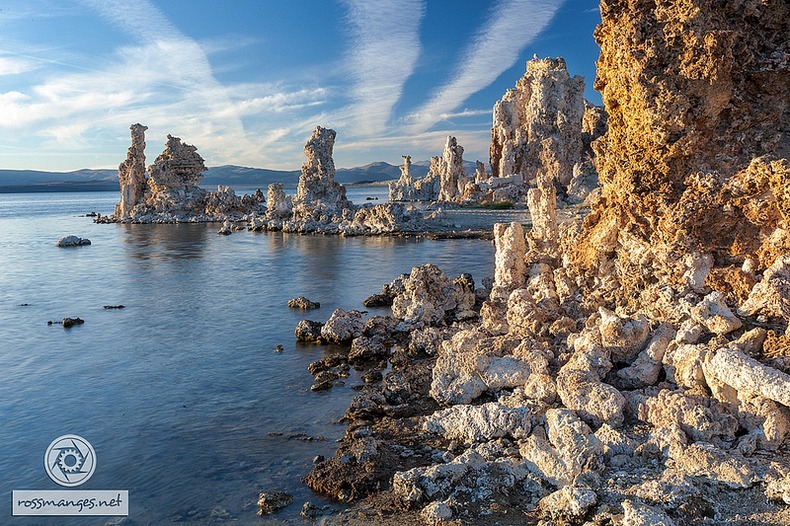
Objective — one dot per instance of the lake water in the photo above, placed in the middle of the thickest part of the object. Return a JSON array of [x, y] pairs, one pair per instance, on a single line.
[[180, 393]]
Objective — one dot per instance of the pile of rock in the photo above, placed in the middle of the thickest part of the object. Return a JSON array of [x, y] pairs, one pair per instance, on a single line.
[[168, 191], [542, 127], [320, 204], [633, 369]]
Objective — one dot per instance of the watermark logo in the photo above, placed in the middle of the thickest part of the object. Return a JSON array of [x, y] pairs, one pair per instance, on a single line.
[[70, 460]]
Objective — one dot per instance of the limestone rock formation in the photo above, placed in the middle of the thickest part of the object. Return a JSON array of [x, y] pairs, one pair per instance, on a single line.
[[452, 177], [278, 204], [131, 173], [406, 188], [538, 125], [445, 181], [317, 192], [320, 204], [696, 156], [647, 343], [171, 192]]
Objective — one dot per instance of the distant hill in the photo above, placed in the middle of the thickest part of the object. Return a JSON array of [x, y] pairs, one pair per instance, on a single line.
[[228, 175], [30, 177]]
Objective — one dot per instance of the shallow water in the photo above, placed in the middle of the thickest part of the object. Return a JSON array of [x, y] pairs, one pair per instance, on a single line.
[[179, 391]]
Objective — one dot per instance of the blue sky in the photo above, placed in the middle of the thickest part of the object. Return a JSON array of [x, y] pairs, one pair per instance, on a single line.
[[247, 81]]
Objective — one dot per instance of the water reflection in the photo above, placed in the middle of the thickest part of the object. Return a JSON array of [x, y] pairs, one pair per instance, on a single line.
[[183, 241]]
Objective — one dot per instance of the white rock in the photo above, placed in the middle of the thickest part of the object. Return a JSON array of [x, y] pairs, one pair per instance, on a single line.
[[771, 295], [436, 513], [713, 313], [647, 366], [342, 326], [570, 503], [744, 374], [624, 337], [637, 514], [476, 423]]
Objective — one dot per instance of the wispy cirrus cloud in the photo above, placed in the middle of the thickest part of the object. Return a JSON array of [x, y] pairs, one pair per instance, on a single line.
[[510, 27], [384, 56], [163, 79], [15, 65]]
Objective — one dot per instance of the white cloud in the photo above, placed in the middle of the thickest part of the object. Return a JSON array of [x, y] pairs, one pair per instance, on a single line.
[[165, 81], [512, 25], [15, 66], [385, 52]]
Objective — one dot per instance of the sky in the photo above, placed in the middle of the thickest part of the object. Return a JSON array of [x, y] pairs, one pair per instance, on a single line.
[[246, 81]]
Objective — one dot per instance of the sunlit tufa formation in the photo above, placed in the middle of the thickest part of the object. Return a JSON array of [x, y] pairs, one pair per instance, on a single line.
[[318, 192], [538, 125], [170, 193], [131, 174]]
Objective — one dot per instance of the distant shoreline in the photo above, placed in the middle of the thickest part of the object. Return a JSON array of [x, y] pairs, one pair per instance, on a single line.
[[61, 186], [112, 186]]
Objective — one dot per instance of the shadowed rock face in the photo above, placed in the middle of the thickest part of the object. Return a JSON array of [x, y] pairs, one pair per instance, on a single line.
[[695, 159]]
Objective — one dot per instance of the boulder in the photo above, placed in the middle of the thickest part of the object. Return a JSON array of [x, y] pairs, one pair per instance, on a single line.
[[342, 326], [72, 241]]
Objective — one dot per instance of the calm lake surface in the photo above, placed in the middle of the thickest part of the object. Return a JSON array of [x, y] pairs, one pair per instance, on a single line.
[[180, 393]]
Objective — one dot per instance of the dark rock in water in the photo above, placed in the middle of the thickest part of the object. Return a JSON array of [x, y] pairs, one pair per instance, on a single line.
[[347, 476], [372, 376], [325, 379], [322, 386], [365, 348], [325, 363], [70, 322], [114, 306], [24, 304], [279, 348], [303, 303], [91, 214], [308, 331], [378, 300], [72, 241], [271, 501], [309, 511]]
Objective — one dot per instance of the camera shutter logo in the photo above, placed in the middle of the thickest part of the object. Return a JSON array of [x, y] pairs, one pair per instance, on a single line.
[[70, 460]]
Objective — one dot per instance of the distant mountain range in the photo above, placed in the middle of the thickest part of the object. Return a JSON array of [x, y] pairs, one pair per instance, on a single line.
[[228, 175]]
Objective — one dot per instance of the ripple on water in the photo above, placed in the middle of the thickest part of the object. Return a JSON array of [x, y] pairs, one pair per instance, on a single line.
[[179, 391]]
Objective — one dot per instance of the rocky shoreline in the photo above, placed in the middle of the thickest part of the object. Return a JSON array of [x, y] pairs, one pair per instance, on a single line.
[[630, 368]]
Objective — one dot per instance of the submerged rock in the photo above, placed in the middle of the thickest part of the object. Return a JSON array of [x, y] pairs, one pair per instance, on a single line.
[[271, 501], [303, 303], [71, 322], [308, 331], [72, 241]]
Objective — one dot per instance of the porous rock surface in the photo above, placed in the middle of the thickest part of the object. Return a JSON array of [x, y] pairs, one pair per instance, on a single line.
[[169, 191], [653, 382], [320, 204]]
